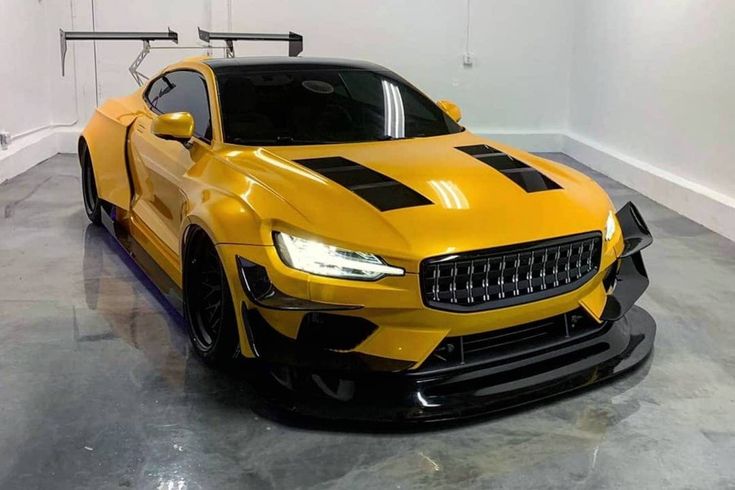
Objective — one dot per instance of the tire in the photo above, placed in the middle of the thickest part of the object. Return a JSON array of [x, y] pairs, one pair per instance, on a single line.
[[208, 308], [92, 203]]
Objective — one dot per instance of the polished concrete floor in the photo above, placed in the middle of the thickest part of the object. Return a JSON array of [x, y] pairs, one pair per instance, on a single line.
[[98, 388]]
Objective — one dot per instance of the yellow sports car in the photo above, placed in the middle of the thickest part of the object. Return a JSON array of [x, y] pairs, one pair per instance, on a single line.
[[328, 219]]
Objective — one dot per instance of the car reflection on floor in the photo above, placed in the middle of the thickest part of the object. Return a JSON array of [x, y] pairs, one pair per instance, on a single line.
[[124, 304], [131, 306]]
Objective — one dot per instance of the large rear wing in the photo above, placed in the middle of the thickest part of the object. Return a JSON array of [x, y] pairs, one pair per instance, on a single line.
[[146, 37], [295, 41]]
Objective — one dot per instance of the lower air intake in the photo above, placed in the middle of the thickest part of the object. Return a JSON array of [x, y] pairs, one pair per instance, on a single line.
[[508, 344]]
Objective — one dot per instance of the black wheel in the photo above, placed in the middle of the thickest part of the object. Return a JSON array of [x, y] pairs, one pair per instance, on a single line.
[[210, 315], [92, 203]]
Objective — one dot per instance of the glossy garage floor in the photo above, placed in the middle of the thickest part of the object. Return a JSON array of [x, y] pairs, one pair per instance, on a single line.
[[98, 388]]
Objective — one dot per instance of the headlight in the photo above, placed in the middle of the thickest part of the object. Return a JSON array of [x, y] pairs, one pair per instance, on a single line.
[[609, 227], [327, 260]]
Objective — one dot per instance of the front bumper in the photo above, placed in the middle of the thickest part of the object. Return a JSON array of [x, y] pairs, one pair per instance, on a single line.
[[339, 381]]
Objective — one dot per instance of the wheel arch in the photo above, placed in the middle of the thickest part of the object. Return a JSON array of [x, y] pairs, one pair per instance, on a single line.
[[198, 230], [191, 232], [82, 149]]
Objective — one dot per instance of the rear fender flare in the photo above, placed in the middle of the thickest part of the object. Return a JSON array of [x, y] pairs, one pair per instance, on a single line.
[[105, 139]]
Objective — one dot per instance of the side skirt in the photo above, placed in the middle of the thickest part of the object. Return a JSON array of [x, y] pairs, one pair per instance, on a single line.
[[169, 289]]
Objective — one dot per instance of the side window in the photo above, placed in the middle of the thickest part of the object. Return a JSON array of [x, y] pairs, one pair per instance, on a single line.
[[183, 91]]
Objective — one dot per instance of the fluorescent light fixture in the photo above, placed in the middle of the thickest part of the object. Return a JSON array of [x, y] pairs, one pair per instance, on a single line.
[[326, 260]]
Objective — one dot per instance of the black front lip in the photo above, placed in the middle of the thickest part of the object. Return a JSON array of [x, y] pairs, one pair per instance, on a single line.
[[464, 392]]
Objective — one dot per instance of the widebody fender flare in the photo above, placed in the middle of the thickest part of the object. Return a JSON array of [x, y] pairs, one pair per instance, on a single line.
[[105, 139]]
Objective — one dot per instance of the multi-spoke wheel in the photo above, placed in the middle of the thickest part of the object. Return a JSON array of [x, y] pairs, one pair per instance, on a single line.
[[92, 203], [207, 303]]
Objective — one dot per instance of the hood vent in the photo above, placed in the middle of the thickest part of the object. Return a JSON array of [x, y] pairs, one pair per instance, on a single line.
[[525, 176], [379, 190]]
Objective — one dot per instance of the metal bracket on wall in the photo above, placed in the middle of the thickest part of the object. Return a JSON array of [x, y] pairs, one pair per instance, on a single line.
[[145, 37], [295, 41]]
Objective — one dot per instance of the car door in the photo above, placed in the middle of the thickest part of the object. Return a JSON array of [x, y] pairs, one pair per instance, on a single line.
[[159, 165]]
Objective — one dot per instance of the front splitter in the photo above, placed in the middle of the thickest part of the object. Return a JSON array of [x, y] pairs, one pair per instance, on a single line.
[[462, 392]]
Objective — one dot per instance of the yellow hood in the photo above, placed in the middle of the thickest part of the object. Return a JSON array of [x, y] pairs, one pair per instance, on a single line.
[[473, 205]]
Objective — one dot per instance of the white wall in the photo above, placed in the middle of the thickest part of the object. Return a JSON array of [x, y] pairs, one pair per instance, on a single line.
[[29, 102], [653, 101], [26, 68]]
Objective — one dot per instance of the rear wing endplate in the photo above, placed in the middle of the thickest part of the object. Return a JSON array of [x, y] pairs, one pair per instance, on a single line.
[[295, 41], [146, 37]]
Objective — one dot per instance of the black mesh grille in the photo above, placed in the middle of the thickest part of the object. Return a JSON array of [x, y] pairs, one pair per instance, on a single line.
[[496, 278]]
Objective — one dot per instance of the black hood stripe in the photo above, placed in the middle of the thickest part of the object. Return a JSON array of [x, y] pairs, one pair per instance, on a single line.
[[525, 176], [379, 190]]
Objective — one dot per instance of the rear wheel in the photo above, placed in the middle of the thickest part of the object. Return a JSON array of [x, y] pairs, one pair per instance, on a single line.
[[92, 204], [210, 315]]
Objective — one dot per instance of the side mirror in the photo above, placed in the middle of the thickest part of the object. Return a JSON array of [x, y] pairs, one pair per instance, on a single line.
[[176, 126], [451, 109]]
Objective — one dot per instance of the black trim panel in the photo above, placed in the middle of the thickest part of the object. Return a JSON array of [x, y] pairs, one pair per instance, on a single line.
[[636, 235], [261, 291], [526, 177], [274, 347], [334, 332], [631, 282], [631, 278], [379, 190]]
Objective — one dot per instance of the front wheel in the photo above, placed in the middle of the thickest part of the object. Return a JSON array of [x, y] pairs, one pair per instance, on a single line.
[[210, 315], [92, 203]]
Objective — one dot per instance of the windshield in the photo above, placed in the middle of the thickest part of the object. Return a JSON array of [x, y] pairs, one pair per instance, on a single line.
[[323, 106]]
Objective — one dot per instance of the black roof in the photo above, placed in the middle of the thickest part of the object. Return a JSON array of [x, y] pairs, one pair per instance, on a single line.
[[278, 63]]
